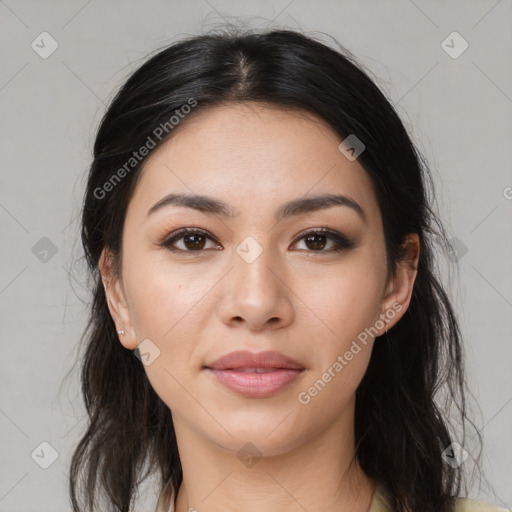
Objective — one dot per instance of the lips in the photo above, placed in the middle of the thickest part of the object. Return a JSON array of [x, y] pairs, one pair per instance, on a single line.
[[254, 370], [255, 375], [244, 360]]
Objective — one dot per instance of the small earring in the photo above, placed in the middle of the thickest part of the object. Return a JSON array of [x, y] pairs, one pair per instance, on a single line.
[[120, 332]]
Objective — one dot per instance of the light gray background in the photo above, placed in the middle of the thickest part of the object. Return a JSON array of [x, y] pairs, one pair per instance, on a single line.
[[457, 110]]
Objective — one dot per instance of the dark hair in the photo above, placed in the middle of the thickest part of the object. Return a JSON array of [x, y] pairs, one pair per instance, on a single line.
[[400, 430]]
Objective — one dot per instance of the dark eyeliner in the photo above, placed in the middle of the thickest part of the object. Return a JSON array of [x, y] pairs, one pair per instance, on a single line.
[[167, 242], [341, 241]]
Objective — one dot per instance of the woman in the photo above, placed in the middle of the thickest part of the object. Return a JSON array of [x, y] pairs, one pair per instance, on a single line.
[[267, 330]]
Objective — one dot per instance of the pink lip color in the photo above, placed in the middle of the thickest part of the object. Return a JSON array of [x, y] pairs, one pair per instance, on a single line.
[[255, 375], [256, 385]]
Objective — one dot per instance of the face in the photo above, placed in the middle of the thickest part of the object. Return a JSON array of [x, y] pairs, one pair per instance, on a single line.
[[309, 282]]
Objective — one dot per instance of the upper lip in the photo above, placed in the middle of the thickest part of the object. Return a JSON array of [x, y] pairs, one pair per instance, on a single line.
[[245, 359]]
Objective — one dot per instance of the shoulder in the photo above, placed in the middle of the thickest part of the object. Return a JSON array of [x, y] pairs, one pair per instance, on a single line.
[[471, 505], [381, 503]]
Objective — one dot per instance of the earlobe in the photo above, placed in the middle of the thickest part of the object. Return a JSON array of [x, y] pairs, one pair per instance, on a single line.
[[400, 286], [116, 302]]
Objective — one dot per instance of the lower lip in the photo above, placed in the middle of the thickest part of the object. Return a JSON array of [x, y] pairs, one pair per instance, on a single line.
[[256, 385]]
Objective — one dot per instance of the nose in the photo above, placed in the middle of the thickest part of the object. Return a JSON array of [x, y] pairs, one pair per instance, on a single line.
[[255, 293]]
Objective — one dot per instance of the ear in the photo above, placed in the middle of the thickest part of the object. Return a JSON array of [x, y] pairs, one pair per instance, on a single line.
[[398, 292], [116, 301]]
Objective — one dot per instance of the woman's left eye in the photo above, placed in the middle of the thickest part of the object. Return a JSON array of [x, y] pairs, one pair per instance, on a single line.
[[315, 238], [194, 240]]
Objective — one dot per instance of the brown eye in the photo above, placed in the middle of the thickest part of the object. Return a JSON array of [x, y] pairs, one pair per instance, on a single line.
[[316, 240], [194, 240]]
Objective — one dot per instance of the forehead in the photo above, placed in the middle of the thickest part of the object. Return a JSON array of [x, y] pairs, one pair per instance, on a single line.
[[251, 156]]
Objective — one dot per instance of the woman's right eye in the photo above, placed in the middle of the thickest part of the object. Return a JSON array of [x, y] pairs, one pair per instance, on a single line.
[[193, 240]]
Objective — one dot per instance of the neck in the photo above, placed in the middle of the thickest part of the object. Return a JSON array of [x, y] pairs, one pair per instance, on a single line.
[[319, 474]]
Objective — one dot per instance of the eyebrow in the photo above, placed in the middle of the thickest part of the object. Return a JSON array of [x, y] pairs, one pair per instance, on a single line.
[[212, 206]]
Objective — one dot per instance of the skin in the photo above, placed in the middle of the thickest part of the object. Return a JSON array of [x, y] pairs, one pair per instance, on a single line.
[[308, 304]]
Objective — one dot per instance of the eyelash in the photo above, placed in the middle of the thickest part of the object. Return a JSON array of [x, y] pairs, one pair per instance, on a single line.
[[342, 243]]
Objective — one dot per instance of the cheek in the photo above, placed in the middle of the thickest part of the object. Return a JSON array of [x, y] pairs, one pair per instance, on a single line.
[[344, 305], [343, 301], [166, 307], [165, 299], [348, 305]]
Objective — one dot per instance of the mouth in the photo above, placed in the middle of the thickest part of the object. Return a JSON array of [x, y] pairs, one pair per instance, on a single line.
[[243, 360], [256, 382], [255, 375], [253, 370]]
